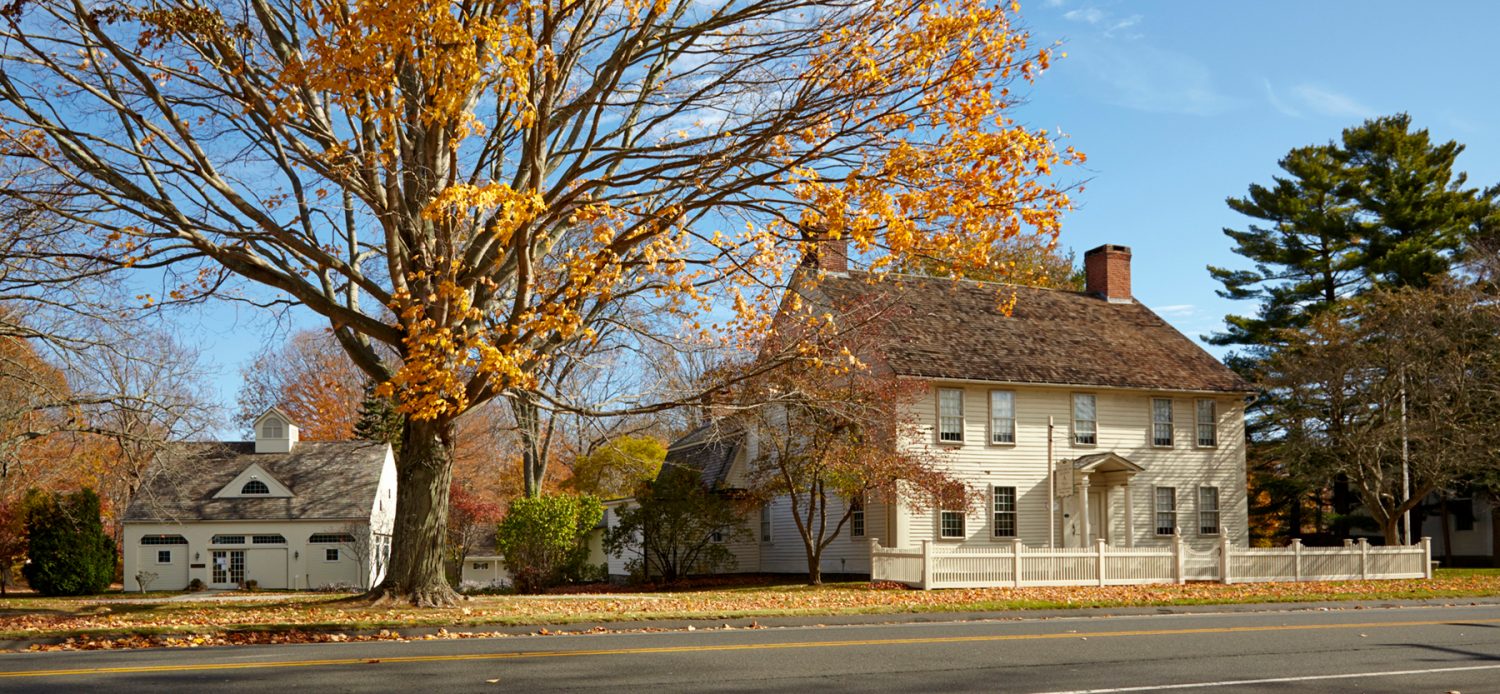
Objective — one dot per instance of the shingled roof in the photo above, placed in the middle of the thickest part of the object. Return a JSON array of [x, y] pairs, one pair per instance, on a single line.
[[955, 329], [329, 480], [709, 450]]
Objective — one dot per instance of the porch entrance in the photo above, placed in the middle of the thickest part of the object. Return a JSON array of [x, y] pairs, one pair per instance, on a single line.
[[228, 568], [1092, 509]]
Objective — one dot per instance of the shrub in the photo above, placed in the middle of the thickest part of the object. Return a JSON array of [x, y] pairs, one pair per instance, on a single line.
[[676, 528], [68, 551], [196, 585], [545, 540], [252, 585]]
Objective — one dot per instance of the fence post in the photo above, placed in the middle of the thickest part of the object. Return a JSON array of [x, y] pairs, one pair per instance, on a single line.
[[1427, 557], [1099, 554], [1224, 560], [874, 558], [1296, 558], [1015, 552], [1179, 570], [927, 565], [1364, 559]]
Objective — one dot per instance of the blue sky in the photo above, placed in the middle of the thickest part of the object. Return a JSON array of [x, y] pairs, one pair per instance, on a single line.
[[1178, 106]]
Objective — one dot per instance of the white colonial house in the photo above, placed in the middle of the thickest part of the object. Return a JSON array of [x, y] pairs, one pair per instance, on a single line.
[[1077, 417], [278, 511]]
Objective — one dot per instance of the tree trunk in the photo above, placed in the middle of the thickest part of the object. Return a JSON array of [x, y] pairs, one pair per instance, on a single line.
[[424, 470], [533, 456], [814, 568], [1447, 531]]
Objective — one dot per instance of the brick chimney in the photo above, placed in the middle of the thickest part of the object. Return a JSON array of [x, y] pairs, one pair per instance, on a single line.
[[827, 254], [1107, 273]]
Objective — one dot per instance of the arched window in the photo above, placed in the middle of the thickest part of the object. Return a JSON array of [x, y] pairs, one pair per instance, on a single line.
[[255, 487], [273, 429]]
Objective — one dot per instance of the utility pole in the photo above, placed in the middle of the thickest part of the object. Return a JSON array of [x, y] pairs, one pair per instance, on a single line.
[[1405, 464]]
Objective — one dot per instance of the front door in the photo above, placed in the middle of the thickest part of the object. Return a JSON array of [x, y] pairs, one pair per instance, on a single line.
[[228, 568], [1098, 514]]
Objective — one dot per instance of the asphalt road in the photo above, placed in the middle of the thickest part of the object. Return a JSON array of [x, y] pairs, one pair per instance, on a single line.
[[1429, 649]]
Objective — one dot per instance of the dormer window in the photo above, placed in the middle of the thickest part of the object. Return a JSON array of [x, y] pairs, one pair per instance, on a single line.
[[273, 429], [255, 487]]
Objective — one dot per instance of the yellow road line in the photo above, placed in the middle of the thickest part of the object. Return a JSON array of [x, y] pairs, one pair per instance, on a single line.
[[522, 655]]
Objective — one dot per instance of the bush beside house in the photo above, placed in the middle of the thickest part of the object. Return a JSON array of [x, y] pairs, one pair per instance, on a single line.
[[69, 553], [545, 540]]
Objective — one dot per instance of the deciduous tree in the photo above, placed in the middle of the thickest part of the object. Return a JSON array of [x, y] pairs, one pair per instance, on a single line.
[[479, 188]]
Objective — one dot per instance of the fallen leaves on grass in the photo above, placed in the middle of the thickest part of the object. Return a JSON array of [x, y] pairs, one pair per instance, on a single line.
[[304, 619]]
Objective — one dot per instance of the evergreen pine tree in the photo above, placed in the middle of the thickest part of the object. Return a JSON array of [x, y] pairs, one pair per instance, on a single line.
[[379, 420]]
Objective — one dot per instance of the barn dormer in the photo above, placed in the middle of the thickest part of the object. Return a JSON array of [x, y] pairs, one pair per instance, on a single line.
[[275, 432]]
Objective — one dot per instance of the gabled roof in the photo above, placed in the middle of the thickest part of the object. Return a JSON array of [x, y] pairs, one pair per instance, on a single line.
[[1106, 462], [329, 480], [946, 329], [254, 471], [709, 450]]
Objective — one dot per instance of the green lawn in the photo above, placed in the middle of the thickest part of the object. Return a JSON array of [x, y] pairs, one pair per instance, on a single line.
[[98, 622]]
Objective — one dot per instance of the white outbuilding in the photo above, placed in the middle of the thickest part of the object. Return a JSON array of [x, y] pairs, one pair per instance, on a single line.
[[278, 511]]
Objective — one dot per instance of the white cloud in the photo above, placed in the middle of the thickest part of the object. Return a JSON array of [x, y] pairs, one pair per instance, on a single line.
[[1154, 80], [1122, 25], [1177, 310], [1281, 106], [1330, 103], [1091, 15]]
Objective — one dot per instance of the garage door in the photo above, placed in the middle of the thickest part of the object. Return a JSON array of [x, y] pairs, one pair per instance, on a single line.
[[267, 567]]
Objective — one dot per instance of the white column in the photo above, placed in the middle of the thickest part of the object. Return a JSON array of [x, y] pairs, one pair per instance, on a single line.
[[1129, 517], [1084, 536]]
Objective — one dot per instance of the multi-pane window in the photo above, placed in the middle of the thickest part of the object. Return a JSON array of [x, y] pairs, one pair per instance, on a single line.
[[950, 415], [481, 566], [331, 554], [857, 517], [1002, 416], [1208, 510], [267, 540], [950, 518], [717, 535], [229, 539], [164, 540], [255, 487], [164, 556], [273, 429], [1161, 422], [1208, 423], [765, 523], [1085, 419], [1166, 511], [324, 538], [1005, 511]]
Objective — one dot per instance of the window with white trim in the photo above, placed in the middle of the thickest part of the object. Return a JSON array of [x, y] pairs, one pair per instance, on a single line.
[[1002, 416], [325, 538], [331, 554], [716, 536], [267, 540], [164, 540], [1005, 511], [951, 520], [255, 487], [1161, 422], [1208, 423], [228, 539], [857, 517], [273, 429], [164, 556], [1085, 419], [1166, 511], [1208, 510], [950, 415], [765, 523], [481, 566]]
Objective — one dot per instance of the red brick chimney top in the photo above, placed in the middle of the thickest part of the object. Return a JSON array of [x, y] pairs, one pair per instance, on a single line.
[[827, 254], [1107, 272]]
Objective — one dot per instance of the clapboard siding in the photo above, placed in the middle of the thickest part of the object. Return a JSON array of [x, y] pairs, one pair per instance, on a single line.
[[1124, 427]]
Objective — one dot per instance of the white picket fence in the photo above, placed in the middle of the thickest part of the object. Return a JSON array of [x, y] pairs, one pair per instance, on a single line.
[[936, 565]]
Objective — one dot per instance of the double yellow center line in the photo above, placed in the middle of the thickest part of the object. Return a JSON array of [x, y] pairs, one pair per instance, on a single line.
[[523, 655]]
